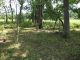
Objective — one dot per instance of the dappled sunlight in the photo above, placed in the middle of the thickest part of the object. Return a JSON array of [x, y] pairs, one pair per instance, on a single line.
[[3, 56], [29, 30], [75, 29], [37, 44], [21, 53], [36, 30], [4, 36], [17, 46], [4, 42], [40, 44]]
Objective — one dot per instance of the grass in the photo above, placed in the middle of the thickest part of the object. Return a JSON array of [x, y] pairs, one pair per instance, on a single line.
[[40, 45], [75, 24]]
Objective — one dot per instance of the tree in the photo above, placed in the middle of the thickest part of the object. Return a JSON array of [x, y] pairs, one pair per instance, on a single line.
[[11, 10], [38, 15], [37, 12], [5, 7], [21, 2], [66, 18]]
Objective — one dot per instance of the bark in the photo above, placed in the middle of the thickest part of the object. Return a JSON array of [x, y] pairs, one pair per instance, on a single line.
[[20, 14], [38, 15], [6, 18], [66, 18], [11, 11], [6, 15], [21, 2]]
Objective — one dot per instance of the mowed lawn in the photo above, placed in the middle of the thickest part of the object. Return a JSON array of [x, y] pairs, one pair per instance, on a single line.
[[41, 44]]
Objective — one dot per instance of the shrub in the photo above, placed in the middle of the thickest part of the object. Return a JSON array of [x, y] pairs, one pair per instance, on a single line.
[[26, 24]]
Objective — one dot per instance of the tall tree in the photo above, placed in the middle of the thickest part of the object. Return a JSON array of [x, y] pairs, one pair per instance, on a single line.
[[2, 4], [6, 13], [11, 10], [38, 15], [21, 2], [66, 18], [37, 12]]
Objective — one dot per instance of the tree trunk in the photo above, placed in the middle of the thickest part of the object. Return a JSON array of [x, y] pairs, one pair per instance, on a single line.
[[38, 15], [20, 14], [12, 16], [66, 18], [79, 13], [33, 16], [6, 18], [6, 14], [11, 11]]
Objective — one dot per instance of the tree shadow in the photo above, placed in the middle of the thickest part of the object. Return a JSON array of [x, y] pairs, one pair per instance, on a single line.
[[41, 45]]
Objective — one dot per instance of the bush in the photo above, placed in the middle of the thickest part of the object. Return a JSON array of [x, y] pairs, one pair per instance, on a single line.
[[26, 24], [74, 25], [48, 25]]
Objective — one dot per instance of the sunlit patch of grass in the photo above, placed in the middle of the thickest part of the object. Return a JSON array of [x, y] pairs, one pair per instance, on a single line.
[[74, 23], [3, 56], [36, 30], [17, 46], [21, 53]]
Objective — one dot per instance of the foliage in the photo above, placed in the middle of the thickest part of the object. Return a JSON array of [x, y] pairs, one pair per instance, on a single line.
[[77, 10], [2, 17], [73, 1], [48, 25], [54, 14], [26, 24], [20, 18], [74, 23], [21, 2]]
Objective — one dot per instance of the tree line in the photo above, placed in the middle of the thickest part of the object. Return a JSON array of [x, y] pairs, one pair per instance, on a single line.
[[41, 9]]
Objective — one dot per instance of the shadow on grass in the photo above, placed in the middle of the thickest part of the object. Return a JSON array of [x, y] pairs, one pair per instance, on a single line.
[[41, 45]]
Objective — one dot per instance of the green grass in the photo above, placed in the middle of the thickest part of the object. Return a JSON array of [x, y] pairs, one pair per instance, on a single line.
[[42, 44], [74, 23]]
